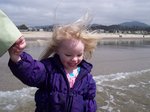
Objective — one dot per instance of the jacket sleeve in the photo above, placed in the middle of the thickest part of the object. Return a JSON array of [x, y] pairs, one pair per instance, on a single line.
[[91, 105], [31, 72]]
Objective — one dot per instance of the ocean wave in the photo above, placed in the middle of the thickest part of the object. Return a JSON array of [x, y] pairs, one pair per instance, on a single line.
[[115, 93], [123, 92], [118, 76]]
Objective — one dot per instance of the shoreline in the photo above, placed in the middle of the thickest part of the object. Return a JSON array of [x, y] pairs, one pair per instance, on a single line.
[[43, 37]]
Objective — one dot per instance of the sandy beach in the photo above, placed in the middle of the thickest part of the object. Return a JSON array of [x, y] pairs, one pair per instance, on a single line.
[[41, 38], [37, 34], [43, 34]]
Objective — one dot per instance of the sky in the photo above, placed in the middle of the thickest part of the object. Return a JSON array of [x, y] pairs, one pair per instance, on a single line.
[[47, 12]]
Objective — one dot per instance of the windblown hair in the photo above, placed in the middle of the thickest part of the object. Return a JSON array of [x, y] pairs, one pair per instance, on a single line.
[[77, 30]]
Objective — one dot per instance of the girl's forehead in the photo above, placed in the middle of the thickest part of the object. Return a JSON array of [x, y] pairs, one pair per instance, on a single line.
[[71, 43]]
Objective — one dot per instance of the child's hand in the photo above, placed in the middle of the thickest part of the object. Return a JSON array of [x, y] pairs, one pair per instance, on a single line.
[[16, 49]]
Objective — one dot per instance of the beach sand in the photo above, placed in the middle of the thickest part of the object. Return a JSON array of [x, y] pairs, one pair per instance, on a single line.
[[41, 38], [44, 34], [37, 34]]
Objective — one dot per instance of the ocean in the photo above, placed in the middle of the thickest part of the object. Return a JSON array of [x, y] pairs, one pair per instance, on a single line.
[[122, 75]]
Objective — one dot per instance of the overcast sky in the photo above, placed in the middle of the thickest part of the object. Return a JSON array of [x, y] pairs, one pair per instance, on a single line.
[[46, 12]]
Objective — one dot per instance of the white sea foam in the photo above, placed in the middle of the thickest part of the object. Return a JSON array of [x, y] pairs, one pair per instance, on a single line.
[[11, 100], [120, 94], [9, 107], [132, 86], [118, 76]]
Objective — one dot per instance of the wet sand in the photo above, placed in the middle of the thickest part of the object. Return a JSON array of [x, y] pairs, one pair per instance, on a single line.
[[106, 60], [7, 80]]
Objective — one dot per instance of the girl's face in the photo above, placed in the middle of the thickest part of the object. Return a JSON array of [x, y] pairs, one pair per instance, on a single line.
[[71, 53]]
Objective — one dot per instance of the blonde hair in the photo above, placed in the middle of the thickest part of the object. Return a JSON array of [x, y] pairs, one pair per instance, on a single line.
[[77, 30]]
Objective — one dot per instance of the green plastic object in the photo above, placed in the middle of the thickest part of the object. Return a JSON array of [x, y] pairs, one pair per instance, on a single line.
[[9, 33]]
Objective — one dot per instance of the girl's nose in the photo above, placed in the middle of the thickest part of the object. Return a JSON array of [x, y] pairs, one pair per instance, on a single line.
[[74, 59]]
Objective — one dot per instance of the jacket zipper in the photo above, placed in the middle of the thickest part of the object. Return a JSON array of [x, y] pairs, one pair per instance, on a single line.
[[70, 94], [69, 103]]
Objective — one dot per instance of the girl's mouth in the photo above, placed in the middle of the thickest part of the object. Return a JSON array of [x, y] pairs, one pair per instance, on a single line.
[[72, 64]]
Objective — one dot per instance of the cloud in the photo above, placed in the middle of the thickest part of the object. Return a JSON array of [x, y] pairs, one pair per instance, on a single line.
[[45, 12]]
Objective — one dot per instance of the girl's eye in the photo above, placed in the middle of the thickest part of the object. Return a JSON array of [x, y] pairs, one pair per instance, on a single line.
[[79, 55], [68, 55]]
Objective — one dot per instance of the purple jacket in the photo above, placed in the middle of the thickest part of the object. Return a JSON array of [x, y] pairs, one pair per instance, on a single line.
[[54, 93]]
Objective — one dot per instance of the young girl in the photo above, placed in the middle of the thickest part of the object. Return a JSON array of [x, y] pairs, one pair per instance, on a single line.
[[62, 76]]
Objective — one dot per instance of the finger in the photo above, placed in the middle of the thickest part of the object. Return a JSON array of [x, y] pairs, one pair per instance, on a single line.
[[19, 40], [21, 43]]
